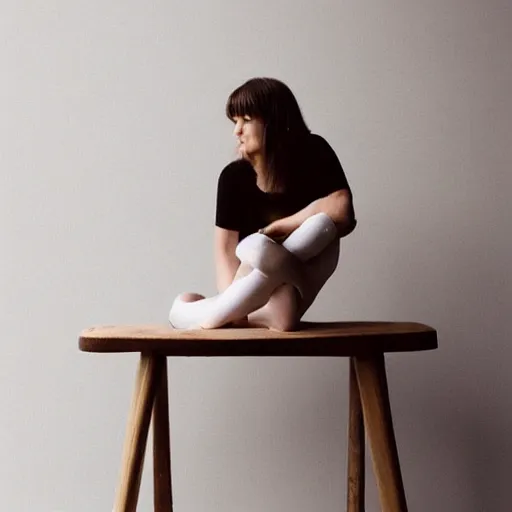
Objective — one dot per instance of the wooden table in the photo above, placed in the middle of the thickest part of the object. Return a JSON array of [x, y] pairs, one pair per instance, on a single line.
[[365, 343]]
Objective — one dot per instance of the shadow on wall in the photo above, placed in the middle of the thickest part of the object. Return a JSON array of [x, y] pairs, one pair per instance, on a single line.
[[451, 406], [462, 452]]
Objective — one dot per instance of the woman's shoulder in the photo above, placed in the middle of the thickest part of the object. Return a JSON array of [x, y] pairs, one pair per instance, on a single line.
[[237, 175], [317, 143], [319, 151], [236, 170]]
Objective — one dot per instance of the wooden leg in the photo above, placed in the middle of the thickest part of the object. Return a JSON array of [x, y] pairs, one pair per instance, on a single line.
[[355, 470], [137, 433], [373, 389], [161, 445]]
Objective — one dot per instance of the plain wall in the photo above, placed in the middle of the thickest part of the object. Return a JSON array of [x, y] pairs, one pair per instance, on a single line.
[[112, 136]]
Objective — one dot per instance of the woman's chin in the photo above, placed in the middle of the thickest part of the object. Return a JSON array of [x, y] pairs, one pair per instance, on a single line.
[[246, 155]]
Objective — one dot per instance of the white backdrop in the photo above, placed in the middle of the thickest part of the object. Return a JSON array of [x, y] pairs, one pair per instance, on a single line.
[[112, 135]]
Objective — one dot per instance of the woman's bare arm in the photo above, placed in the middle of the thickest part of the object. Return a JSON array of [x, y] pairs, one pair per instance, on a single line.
[[338, 205], [226, 262]]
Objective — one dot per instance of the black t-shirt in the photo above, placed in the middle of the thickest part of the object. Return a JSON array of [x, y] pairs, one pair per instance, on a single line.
[[243, 207]]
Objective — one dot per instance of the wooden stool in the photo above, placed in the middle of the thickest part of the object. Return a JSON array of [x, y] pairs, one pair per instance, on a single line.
[[364, 342]]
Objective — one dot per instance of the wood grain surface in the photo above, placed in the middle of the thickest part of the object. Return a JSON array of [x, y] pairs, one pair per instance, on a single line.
[[312, 339], [356, 447]]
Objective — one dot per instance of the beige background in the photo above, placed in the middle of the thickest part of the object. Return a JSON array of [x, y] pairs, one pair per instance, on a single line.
[[112, 135]]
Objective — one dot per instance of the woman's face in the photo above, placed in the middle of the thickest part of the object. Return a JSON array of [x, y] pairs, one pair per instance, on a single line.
[[249, 134]]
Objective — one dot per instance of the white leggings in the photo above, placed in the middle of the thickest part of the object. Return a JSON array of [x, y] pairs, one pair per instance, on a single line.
[[306, 259]]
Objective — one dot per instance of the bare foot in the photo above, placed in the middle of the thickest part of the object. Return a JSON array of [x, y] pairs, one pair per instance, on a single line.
[[280, 312]]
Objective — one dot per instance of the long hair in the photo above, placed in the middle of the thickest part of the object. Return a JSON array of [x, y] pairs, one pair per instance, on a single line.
[[284, 127]]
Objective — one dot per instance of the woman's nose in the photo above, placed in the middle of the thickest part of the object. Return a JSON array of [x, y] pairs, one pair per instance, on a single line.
[[238, 129]]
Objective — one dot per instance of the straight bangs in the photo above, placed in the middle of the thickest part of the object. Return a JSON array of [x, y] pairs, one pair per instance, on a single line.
[[244, 102]]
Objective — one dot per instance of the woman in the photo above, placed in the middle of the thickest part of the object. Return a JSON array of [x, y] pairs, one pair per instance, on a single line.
[[285, 175]]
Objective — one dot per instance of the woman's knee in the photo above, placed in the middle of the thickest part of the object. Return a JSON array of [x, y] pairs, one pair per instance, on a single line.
[[264, 254]]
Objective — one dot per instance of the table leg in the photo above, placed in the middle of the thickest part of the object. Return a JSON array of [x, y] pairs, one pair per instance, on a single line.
[[373, 388], [161, 445], [136, 434], [356, 448]]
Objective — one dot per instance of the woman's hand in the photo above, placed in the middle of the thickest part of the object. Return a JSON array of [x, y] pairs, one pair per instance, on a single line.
[[281, 228]]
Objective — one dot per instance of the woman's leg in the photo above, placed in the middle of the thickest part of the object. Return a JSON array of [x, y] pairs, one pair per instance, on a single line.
[[281, 312], [273, 265], [316, 244], [238, 300], [246, 294], [243, 270], [286, 306]]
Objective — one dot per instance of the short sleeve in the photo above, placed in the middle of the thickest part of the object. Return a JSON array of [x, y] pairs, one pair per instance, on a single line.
[[229, 212], [330, 175]]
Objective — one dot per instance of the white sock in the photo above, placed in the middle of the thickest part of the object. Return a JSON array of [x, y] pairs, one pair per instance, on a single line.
[[273, 265]]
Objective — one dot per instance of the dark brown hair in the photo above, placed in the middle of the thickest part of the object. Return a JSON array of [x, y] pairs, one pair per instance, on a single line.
[[284, 127]]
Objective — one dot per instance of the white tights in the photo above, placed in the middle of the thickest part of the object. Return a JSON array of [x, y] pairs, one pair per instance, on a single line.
[[305, 260]]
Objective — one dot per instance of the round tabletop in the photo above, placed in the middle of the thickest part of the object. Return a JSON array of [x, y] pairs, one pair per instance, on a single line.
[[338, 339]]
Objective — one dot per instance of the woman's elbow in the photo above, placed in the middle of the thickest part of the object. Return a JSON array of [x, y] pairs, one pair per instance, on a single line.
[[346, 226], [345, 219]]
